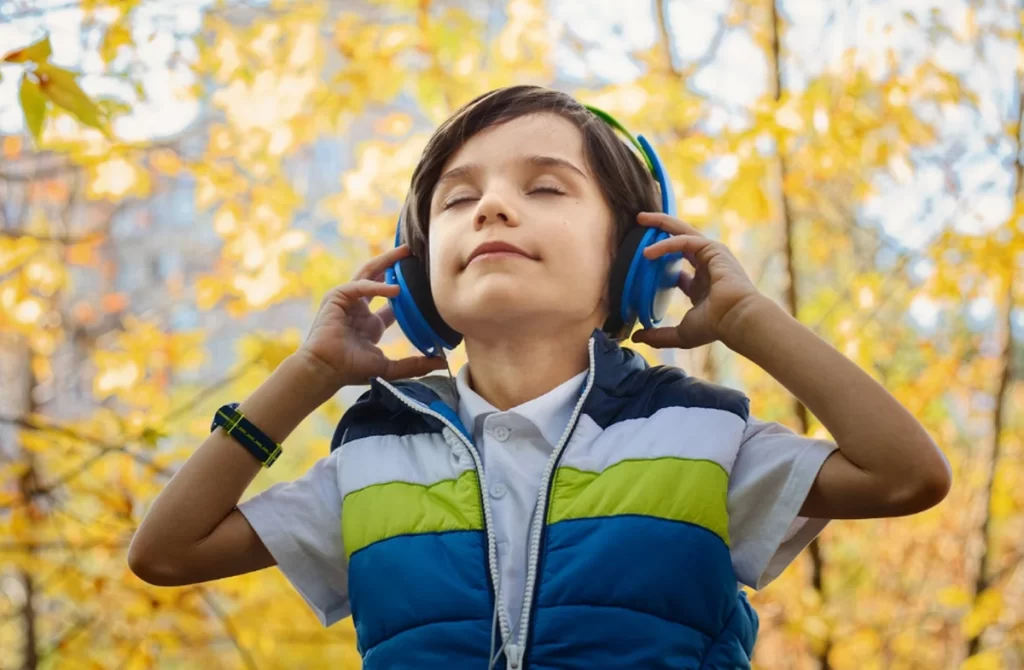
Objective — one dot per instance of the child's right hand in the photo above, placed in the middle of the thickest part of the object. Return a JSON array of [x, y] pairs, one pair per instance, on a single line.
[[342, 341]]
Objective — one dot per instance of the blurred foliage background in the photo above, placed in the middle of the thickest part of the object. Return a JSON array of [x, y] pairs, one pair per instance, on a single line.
[[180, 182]]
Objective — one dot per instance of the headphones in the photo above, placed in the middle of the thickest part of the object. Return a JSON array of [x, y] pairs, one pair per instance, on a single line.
[[640, 287]]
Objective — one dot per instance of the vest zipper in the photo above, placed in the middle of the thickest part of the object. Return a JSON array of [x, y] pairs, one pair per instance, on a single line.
[[492, 552], [540, 518]]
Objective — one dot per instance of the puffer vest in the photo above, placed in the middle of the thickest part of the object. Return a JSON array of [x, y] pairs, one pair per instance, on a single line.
[[629, 563]]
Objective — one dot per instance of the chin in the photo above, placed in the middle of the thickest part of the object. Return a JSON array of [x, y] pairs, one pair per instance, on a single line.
[[493, 320], [496, 307]]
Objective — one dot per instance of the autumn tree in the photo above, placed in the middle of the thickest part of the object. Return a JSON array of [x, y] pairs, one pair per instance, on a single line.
[[155, 262]]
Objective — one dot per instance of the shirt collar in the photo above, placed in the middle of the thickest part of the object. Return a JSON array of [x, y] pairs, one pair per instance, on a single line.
[[550, 413]]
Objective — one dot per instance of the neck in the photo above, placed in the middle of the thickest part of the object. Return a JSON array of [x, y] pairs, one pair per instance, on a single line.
[[508, 372]]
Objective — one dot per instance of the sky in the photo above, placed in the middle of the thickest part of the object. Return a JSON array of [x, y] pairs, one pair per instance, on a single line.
[[614, 29]]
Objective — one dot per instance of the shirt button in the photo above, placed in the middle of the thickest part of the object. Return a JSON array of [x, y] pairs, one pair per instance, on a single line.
[[501, 433], [498, 490]]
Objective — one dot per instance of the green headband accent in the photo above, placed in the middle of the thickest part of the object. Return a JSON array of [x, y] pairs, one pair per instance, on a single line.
[[614, 123]]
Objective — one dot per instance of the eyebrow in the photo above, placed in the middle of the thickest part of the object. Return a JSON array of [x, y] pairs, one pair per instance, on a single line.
[[554, 161], [541, 161]]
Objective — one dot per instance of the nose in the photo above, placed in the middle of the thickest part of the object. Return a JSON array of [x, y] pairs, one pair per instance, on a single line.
[[492, 208]]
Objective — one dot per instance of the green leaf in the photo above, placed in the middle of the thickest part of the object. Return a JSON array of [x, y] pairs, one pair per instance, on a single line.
[[33, 106], [60, 87], [38, 52]]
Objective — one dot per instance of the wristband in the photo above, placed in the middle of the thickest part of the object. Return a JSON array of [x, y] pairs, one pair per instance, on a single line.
[[255, 441]]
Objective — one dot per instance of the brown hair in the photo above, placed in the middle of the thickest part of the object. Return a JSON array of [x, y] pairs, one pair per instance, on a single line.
[[623, 178]]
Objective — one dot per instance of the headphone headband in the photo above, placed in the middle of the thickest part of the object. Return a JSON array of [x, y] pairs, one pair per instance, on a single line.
[[650, 157], [614, 123]]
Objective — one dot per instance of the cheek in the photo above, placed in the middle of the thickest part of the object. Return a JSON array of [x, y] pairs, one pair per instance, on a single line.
[[442, 256]]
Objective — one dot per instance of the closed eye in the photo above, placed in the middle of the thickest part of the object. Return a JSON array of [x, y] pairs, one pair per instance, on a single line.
[[448, 204], [547, 189]]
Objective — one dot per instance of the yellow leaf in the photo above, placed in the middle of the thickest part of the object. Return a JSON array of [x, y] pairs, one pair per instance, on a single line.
[[118, 35], [987, 660], [33, 106], [60, 87], [987, 609], [209, 291], [36, 53], [954, 596]]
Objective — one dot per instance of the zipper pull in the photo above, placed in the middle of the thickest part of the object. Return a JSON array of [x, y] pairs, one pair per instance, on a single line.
[[514, 654]]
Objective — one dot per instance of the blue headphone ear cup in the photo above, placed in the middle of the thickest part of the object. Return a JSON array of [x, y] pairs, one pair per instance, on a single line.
[[415, 310], [646, 286], [620, 322], [651, 283]]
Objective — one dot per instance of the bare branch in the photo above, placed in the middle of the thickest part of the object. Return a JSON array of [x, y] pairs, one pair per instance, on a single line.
[[229, 628], [49, 172], [81, 624], [32, 546]]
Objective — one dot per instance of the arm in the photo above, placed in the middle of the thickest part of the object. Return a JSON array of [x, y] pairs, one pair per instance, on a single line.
[[193, 532], [887, 464]]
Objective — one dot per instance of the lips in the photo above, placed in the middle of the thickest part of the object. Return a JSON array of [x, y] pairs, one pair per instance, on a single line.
[[498, 248]]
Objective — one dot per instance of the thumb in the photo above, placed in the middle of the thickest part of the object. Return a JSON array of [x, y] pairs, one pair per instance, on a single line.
[[657, 338], [694, 331], [413, 366]]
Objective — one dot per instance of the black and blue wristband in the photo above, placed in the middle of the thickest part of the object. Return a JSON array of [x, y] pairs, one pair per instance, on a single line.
[[255, 441]]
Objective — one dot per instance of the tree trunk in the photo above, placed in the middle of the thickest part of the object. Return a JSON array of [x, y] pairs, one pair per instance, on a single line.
[[792, 298], [16, 402], [983, 577]]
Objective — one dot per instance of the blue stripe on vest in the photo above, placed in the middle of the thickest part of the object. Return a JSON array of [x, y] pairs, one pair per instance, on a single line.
[[646, 592], [676, 571], [451, 645], [406, 582]]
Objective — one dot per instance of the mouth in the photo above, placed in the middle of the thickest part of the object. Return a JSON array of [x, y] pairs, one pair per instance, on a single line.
[[497, 251]]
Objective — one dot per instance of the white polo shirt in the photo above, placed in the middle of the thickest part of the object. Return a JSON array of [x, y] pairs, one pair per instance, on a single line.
[[515, 447], [300, 521]]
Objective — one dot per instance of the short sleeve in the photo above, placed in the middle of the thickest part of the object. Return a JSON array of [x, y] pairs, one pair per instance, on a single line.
[[773, 473], [300, 524]]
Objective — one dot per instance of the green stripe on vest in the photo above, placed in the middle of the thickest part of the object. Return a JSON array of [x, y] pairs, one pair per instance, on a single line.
[[678, 489], [388, 510]]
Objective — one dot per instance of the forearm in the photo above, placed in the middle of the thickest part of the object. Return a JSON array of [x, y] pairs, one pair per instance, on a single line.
[[210, 483], [871, 428]]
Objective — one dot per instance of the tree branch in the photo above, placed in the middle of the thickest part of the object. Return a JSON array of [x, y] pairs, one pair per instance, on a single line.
[[32, 546], [229, 628], [106, 449], [984, 579], [80, 625], [792, 297], [666, 35]]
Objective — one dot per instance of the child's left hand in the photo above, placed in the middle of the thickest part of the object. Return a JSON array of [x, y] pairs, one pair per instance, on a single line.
[[720, 290]]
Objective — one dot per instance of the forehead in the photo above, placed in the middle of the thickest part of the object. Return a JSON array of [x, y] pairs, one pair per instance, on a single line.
[[536, 134]]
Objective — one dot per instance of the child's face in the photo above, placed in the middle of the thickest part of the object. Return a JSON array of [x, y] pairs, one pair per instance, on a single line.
[[524, 183]]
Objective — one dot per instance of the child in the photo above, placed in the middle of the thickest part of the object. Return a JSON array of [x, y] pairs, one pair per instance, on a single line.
[[559, 504]]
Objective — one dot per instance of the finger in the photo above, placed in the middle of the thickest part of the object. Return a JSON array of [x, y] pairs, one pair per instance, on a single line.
[[413, 366], [685, 281], [364, 288], [387, 315], [690, 245], [658, 338], [669, 224], [377, 265]]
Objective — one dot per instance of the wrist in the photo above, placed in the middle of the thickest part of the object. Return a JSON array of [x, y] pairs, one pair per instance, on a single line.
[[312, 376], [295, 389], [749, 321]]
